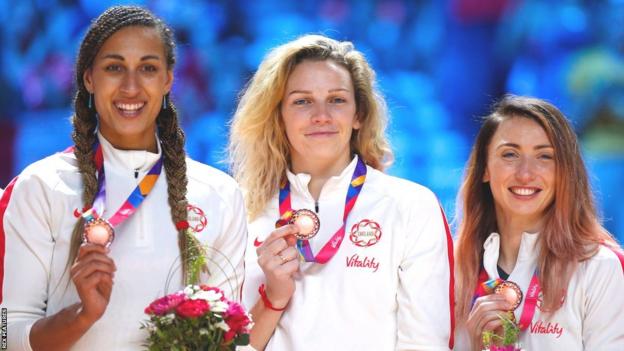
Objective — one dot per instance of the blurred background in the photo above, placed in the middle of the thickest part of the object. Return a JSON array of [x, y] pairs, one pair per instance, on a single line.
[[440, 64]]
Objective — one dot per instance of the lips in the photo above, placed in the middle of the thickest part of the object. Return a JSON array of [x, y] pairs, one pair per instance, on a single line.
[[129, 109], [321, 133]]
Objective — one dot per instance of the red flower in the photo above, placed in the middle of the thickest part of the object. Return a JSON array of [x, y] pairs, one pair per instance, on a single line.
[[228, 336], [192, 308], [236, 319]]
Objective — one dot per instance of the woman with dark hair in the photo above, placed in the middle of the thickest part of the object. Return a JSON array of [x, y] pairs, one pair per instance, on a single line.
[[361, 260], [530, 232], [67, 283]]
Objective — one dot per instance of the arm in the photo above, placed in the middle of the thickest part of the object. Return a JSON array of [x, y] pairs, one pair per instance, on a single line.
[[604, 303], [425, 294], [29, 247], [278, 259]]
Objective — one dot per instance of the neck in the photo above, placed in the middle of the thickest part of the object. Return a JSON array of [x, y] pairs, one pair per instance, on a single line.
[[319, 170], [511, 229]]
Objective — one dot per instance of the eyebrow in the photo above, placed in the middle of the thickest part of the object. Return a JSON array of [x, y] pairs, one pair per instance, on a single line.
[[309, 92], [121, 58], [514, 145]]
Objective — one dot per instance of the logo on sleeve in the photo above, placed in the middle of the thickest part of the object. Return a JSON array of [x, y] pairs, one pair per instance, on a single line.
[[257, 242], [365, 233], [196, 218]]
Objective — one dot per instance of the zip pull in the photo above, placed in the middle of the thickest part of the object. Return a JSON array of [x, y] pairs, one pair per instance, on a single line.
[[316, 207], [136, 173]]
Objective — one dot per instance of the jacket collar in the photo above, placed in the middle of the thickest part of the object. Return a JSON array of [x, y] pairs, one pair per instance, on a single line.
[[335, 186], [137, 160], [527, 254]]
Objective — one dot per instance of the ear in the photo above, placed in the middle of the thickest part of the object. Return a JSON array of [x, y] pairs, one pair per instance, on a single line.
[[87, 79], [486, 176], [169, 82], [356, 123]]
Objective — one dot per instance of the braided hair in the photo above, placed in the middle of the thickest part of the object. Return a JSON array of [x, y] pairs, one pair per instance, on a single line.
[[84, 123]]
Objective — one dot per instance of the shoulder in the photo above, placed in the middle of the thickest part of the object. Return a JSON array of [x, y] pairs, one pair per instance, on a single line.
[[212, 181], [407, 194], [49, 172], [607, 263]]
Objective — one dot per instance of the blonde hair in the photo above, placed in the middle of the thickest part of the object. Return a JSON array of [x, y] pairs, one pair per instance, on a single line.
[[572, 231], [259, 151]]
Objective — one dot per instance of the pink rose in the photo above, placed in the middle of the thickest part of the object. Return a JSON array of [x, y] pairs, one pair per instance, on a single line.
[[165, 304], [192, 308]]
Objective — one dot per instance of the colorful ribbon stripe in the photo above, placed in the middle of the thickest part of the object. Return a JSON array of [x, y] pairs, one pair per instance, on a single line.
[[333, 244], [135, 198]]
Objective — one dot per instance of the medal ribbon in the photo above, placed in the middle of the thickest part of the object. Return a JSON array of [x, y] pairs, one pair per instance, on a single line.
[[133, 201], [333, 244], [486, 287]]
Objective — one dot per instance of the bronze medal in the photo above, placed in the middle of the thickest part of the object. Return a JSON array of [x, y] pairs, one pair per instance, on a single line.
[[307, 222], [99, 232], [511, 292]]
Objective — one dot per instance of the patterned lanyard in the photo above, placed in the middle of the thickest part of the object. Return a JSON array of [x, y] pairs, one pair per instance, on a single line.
[[486, 287], [133, 201], [333, 244]]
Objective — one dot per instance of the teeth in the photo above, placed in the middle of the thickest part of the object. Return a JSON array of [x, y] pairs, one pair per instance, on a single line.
[[523, 191], [130, 107]]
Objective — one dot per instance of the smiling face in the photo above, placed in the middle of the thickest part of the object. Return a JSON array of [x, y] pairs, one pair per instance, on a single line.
[[128, 79], [319, 113], [521, 171]]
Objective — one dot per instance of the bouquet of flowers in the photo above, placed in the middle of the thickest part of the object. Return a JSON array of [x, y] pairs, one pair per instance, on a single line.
[[506, 342], [196, 318]]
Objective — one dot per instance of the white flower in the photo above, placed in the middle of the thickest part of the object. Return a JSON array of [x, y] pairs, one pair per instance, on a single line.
[[210, 295], [188, 291], [223, 326], [218, 306], [168, 318]]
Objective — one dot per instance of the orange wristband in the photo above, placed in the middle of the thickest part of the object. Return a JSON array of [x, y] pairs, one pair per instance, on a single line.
[[265, 300]]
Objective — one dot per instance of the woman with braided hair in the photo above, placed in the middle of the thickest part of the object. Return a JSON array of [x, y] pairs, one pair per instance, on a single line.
[[360, 260], [66, 282]]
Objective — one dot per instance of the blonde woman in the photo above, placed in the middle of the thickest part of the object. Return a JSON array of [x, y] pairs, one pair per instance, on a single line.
[[529, 218], [308, 146]]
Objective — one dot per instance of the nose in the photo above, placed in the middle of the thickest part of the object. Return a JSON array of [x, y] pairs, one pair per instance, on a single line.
[[321, 114], [526, 169], [130, 84]]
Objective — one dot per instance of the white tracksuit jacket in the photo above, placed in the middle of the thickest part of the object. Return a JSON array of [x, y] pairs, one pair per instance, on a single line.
[[592, 315], [37, 218], [391, 295]]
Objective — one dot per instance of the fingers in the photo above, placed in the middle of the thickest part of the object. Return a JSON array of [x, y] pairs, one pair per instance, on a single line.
[[281, 264], [87, 248], [485, 314], [92, 259], [284, 234]]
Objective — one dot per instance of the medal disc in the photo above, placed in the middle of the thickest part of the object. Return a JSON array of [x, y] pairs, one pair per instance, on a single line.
[[511, 292], [99, 231], [307, 222]]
